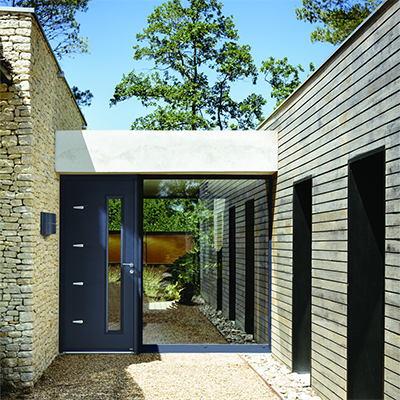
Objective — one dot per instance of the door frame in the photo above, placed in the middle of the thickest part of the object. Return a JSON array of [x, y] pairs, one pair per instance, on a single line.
[[137, 308]]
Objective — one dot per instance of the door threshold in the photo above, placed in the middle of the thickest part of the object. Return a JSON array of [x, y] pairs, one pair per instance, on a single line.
[[186, 348], [98, 352], [206, 348]]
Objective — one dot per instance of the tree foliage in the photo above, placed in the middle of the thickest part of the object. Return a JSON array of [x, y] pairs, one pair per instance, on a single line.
[[339, 17], [179, 215], [185, 44], [83, 98], [169, 215], [57, 18], [114, 214], [283, 77]]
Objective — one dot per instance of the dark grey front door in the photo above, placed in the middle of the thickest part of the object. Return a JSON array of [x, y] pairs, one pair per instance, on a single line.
[[100, 303]]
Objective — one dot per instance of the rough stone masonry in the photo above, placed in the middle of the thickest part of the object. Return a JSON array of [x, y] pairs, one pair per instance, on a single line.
[[36, 104]]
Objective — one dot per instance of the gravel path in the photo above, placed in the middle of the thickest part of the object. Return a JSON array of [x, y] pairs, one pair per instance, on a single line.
[[149, 376], [173, 376], [178, 324]]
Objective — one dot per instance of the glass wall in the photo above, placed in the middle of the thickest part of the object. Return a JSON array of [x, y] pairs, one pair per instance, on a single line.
[[188, 244], [114, 264]]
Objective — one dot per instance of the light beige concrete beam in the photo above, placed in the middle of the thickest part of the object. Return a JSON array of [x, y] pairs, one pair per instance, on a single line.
[[167, 152]]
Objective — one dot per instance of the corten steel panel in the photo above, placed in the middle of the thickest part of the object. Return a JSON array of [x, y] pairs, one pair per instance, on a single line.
[[157, 248], [114, 248], [166, 248]]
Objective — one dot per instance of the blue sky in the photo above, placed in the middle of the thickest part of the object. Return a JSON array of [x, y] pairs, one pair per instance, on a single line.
[[268, 26]]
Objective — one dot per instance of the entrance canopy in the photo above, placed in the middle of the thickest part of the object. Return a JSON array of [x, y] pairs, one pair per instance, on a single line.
[[167, 152]]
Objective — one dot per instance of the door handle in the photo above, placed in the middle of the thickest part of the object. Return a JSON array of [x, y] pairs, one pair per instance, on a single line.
[[129, 264], [132, 266]]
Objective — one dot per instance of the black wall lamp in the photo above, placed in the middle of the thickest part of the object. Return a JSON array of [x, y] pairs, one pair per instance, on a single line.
[[48, 223]]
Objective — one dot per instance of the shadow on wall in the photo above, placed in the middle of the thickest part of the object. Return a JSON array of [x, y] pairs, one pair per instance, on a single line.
[[6, 70]]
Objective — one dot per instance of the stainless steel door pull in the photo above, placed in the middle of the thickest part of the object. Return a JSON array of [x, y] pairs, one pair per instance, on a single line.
[[129, 264]]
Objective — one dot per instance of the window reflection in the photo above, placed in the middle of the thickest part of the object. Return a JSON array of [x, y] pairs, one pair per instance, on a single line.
[[114, 264], [190, 235]]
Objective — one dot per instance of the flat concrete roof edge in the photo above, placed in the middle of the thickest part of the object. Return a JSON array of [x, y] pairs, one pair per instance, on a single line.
[[167, 152]]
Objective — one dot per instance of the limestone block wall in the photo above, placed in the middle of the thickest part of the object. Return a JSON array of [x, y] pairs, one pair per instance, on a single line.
[[38, 103]]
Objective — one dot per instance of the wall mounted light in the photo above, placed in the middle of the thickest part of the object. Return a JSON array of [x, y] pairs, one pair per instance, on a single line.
[[48, 223]]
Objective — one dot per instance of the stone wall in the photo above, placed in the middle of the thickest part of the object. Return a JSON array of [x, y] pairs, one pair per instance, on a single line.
[[38, 103]]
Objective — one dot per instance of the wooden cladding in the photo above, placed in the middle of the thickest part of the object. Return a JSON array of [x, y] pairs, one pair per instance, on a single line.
[[347, 110]]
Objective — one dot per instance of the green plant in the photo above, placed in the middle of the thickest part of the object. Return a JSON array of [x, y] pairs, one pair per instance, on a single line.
[[114, 273], [185, 270], [151, 282], [171, 292], [155, 288]]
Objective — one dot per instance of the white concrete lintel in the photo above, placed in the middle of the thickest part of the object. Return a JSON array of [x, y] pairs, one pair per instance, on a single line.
[[167, 152]]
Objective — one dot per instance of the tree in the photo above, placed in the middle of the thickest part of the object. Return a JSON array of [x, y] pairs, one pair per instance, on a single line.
[[340, 17], [57, 18], [283, 77], [185, 43], [82, 98]]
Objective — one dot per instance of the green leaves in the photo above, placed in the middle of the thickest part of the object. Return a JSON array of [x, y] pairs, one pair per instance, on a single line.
[[185, 44], [114, 214], [169, 215], [83, 98], [283, 77], [339, 17]]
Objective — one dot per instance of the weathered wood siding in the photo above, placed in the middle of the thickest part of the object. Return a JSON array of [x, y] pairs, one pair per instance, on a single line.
[[350, 106], [235, 193]]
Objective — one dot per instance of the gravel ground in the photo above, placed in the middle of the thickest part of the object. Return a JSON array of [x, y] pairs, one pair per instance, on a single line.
[[149, 376], [179, 324], [172, 376]]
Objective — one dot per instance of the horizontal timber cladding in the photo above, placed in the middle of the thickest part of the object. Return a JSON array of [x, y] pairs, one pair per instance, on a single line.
[[348, 108], [225, 197]]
